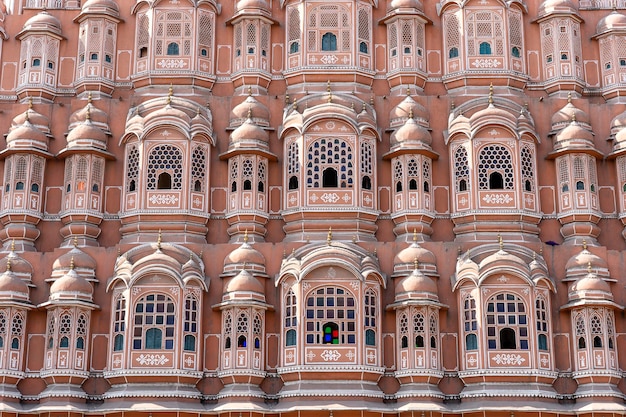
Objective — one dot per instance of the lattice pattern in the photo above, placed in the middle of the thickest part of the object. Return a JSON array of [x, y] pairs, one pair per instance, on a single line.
[[20, 169], [81, 327], [452, 34], [392, 39], [461, 169], [507, 311], [81, 173], [165, 159], [119, 322], [495, 158], [404, 324], [579, 168], [541, 313], [413, 169], [516, 34], [329, 18], [563, 175], [370, 309], [228, 324], [426, 169], [330, 153], [251, 35], [546, 30], [595, 325], [36, 177], [206, 28], [3, 325], [433, 326], [364, 30], [257, 325], [398, 171], [366, 158], [293, 159], [154, 322], [198, 168], [470, 323], [190, 322], [97, 171], [291, 314], [484, 26], [593, 174], [528, 168], [132, 168], [331, 305], [8, 171], [234, 170], [261, 170], [580, 325], [17, 329], [265, 39]]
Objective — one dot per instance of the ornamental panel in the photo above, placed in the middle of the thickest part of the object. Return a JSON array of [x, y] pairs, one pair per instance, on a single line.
[[156, 359], [508, 359], [330, 355]]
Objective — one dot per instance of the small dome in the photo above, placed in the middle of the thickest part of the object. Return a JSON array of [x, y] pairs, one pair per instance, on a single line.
[[591, 283], [38, 120], [249, 131], [245, 255], [43, 21], [250, 108], [574, 132], [614, 21], [18, 265], [72, 286], [502, 256], [167, 112], [621, 136], [252, 4], [412, 253], [400, 113], [101, 6], [11, 284], [585, 259], [569, 112], [406, 4], [244, 282], [417, 282], [27, 136], [98, 117], [411, 133], [557, 6], [75, 258], [86, 131]]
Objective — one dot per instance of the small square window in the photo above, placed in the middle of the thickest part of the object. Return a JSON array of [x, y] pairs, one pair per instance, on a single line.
[[549, 59], [622, 62]]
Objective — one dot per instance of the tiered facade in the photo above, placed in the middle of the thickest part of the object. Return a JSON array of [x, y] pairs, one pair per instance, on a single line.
[[305, 208]]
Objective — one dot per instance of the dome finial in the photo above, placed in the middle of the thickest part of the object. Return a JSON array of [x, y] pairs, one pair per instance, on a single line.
[[9, 264], [170, 93], [414, 235], [408, 90], [416, 264], [250, 90], [573, 116], [249, 112], [88, 115], [584, 244], [30, 103], [328, 86], [89, 98], [569, 97], [159, 239], [411, 113], [13, 245], [491, 93], [286, 98], [329, 237], [72, 266], [589, 267], [245, 236], [75, 241], [500, 242]]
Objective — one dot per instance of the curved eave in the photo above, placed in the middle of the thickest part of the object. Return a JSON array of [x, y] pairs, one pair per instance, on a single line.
[[589, 151], [199, 279], [420, 303], [593, 303], [556, 14], [27, 305], [411, 151], [405, 12], [247, 151], [110, 15], [242, 303], [31, 151], [25, 32], [67, 303], [264, 16], [616, 153], [65, 152]]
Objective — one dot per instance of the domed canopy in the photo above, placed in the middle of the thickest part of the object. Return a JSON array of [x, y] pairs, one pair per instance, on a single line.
[[411, 134], [18, 265], [569, 112], [244, 257], [250, 108], [407, 4], [548, 7], [581, 263], [249, 132], [400, 113], [75, 259], [417, 282], [27, 136], [615, 21], [108, 7], [404, 262], [98, 117], [38, 120], [252, 4], [244, 282], [590, 288], [71, 287], [12, 287], [575, 136], [41, 22], [87, 134]]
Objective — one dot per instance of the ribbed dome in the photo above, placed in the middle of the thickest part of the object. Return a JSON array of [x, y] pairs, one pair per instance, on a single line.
[[591, 283], [406, 4], [249, 131], [19, 265], [618, 123], [109, 7], [42, 21], [585, 259], [98, 117], [167, 112], [412, 253], [11, 284], [27, 136], [502, 256], [403, 110], [250, 108], [245, 254], [574, 131], [245, 282], [614, 21], [417, 282], [38, 120], [75, 258], [557, 6], [71, 286], [87, 131], [252, 4], [568, 113], [411, 132], [621, 136]]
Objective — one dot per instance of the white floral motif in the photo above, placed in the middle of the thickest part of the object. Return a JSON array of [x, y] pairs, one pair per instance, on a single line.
[[330, 355], [329, 59], [152, 359], [163, 199], [508, 359], [497, 198], [172, 63], [329, 197], [486, 63]]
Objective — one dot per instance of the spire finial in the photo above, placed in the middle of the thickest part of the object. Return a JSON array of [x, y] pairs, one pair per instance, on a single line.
[[72, 264], [329, 237], [88, 115], [170, 93], [328, 86], [8, 264], [569, 96], [159, 240], [414, 235], [589, 267], [408, 90], [250, 90], [286, 98], [89, 98], [411, 113], [30, 103], [584, 244], [416, 264], [75, 241], [249, 112], [500, 242], [491, 93], [13, 245], [573, 116], [245, 236], [364, 106]]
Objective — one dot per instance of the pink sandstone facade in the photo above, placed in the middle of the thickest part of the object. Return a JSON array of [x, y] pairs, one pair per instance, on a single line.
[[305, 208]]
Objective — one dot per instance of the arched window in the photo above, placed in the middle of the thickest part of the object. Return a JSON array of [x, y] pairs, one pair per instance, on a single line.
[[164, 182], [419, 341], [293, 182], [363, 47], [190, 343], [118, 343], [291, 337], [495, 181], [154, 321], [399, 186], [404, 342], [366, 183], [515, 52], [453, 52], [173, 48], [495, 159], [165, 159], [294, 47], [329, 178], [485, 48], [507, 322], [331, 302], [471, 342]]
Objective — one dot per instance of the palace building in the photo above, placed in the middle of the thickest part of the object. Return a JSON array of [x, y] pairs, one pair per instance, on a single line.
[[313, 208]]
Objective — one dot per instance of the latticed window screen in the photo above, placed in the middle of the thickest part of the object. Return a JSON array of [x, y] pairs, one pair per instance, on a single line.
[[97, 171], [392, 40], [335, 154], [228, 329], [173, 35], [581, 332], [291, 319], [143, 34], [541, 312], [366, 158], [36, 178], [528, 169], [119, 322], [419, 330], [470, 323], [190, 323], [17, 330], [329, 20], [516, 36], [364, 31], [206, 27], [198, 169], [293, 159], [495, 159], [507, 322], [165, 159], [242, 329], [369, 316], [132, 168], [484, 26], [331, 316], [426, 169], [621, 164], [294, 33], [81, 331], [154, 322], [461, 169], [564, 178], [452, 35]]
